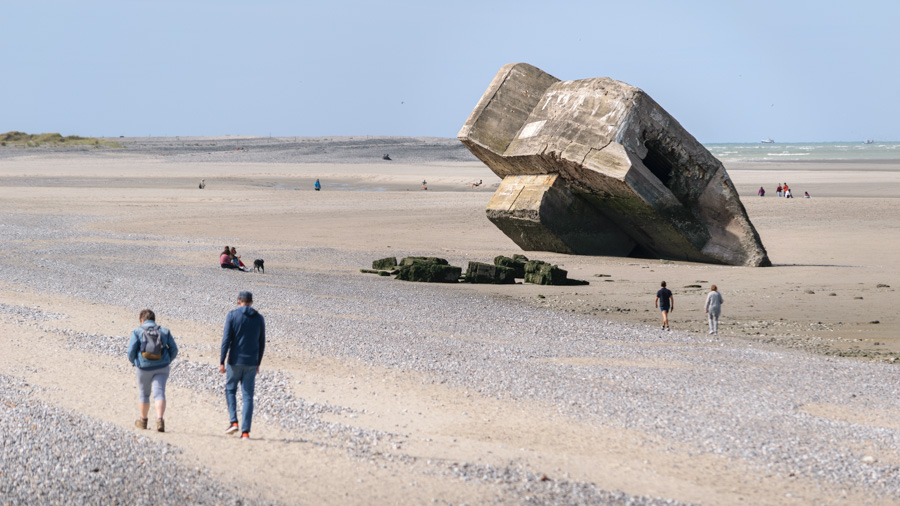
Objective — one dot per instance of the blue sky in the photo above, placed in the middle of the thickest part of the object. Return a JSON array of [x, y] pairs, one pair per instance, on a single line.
[[728, 71]]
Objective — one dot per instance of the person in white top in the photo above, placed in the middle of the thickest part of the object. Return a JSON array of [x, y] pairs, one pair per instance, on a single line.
[[713, 309]]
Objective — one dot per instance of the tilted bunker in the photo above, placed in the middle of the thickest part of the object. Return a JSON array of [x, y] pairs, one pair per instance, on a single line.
[[596, 167]]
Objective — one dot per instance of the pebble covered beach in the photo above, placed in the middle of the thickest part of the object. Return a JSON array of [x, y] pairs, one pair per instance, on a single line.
[[781, 414]]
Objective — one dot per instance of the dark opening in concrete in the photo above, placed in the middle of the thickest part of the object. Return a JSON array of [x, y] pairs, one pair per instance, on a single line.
[[658, 164]]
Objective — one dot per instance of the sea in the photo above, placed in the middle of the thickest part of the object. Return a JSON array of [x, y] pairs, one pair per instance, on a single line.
[[805, 151]]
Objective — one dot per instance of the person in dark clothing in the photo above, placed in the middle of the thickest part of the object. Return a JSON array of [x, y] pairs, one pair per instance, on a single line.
[[665, 301], [243, 343]]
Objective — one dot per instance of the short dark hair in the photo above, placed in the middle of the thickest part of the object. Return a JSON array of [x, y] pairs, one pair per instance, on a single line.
[[147, 314], [663, 284], [245, 296]]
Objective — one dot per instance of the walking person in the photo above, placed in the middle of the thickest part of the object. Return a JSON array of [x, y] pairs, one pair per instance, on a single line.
[[243, 343], [317, 185], [713, 308], [778, 190], [761, 192], [665, 301], [151, 349]]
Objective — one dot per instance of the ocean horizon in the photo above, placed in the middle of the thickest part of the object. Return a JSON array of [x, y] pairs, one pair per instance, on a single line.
[[804, 151]]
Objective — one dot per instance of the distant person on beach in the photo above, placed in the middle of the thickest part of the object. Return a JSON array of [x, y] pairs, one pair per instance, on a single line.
[[424, 184], [778, 190], [225, 259], [202, 184], [236, 260], [787, 193], [761, 192], [151, 349], [713, 308], [806, 194], [243, 344], [665, 301], [318, 185], [476, 185]]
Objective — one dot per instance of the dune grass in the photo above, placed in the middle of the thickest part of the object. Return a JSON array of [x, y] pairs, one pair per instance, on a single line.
[[22, 139]]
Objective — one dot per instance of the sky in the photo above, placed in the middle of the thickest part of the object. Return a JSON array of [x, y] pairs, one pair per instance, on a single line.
[[728, 71]]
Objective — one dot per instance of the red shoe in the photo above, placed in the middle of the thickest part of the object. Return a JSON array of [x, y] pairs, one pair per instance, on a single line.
[[245, 436]]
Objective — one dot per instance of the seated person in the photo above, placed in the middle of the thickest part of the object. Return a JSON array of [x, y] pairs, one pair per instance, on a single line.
[[236, 260], [225, 259]]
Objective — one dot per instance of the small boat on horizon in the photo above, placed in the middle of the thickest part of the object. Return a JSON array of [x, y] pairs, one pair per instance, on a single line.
[[869, 141], [767, 141]]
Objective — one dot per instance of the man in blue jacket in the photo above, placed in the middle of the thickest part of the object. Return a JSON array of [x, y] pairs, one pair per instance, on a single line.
[[243, 342]]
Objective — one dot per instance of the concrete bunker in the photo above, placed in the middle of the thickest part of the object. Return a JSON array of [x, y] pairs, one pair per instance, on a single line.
[[596, 167]]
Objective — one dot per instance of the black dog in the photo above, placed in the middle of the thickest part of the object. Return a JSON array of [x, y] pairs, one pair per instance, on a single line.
[[258, 264]]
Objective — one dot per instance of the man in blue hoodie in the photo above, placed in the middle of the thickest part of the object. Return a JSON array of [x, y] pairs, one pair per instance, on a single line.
[[243, 342]]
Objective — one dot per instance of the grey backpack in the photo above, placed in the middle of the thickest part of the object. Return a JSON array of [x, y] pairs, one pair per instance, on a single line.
[[151, 343]]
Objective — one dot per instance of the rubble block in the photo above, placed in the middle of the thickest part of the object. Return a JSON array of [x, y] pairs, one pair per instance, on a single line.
[[597, 167], [385, 263], [412, 260], [479, 272], [543, 273], [518, 266], [429, 271]]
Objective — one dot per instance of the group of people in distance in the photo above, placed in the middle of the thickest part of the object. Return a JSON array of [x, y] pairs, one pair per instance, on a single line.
[[152, 348], [665, 302], [229, 259], [782, 191]]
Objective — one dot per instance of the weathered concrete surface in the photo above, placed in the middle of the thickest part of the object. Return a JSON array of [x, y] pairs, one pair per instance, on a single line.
[[385, 263], [528, 208], [543, 273], [479, 272], [428, 270], [611, 173], [516, 263]]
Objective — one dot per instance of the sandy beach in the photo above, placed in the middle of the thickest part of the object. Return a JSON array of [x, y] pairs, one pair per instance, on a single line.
[[377, 391]]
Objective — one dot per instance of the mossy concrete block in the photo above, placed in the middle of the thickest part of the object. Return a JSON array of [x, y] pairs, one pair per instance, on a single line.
[[480, 272], [542, 273], [385, 263], [429, 272], [517, 266], [435, 260]]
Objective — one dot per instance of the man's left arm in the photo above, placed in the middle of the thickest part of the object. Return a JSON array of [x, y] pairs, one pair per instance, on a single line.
[[227, 338]]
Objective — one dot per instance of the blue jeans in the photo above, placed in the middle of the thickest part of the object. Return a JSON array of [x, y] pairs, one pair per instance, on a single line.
[[246, 376]]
